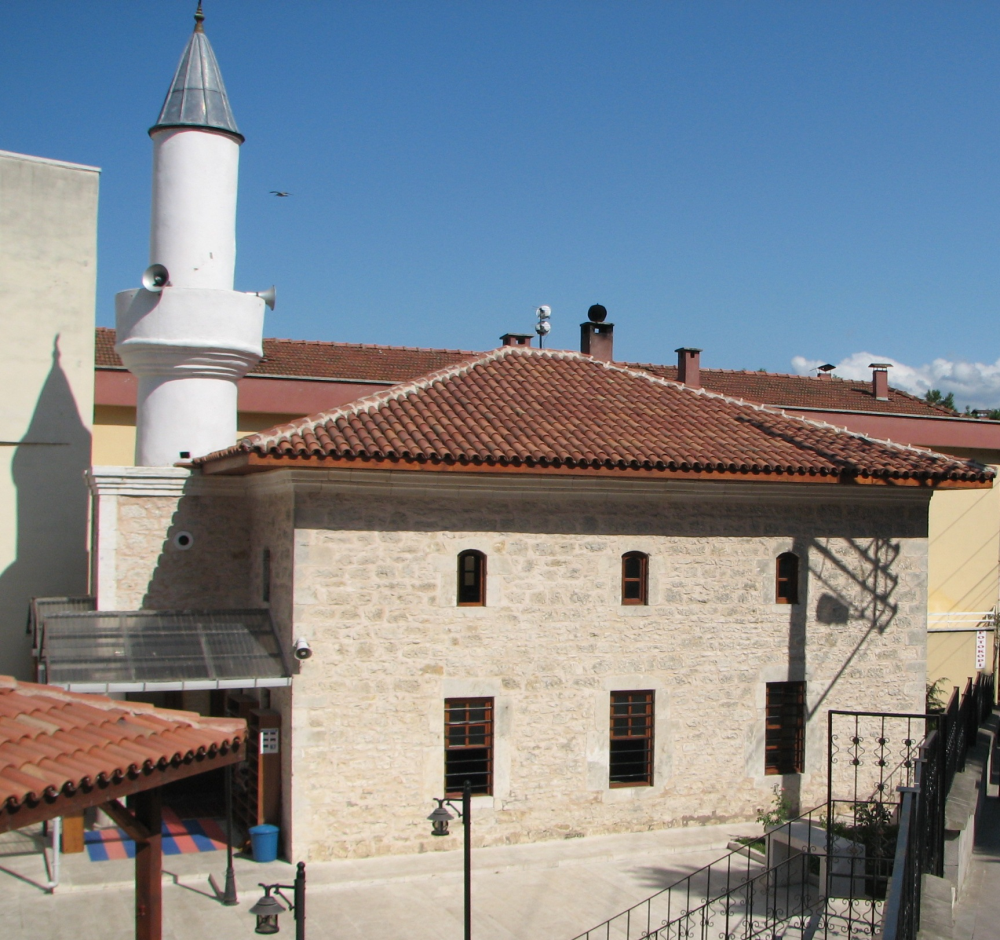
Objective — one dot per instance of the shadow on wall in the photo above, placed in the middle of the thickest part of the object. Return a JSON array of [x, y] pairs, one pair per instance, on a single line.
[[203, 561], [52, 504], [875, 578]]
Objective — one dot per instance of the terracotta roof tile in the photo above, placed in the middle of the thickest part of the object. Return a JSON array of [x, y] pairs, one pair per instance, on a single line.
[[526, 408], [54, 742], [296, 358], [802, 391]]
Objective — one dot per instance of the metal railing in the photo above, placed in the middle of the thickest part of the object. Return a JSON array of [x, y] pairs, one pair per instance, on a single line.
[[964, 714], [920, 845], [813, 876]]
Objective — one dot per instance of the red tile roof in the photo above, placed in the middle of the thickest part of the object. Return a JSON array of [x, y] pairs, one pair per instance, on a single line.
[[297, 358], [801, 391], [57, 745], [519, 408]]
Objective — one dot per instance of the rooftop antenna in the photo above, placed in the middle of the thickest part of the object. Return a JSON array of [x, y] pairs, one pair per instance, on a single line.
[[542, 327]]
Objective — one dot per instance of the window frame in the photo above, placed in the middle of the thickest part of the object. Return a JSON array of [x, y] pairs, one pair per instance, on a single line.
[[648, 734], [467, 703], [786, 585], [784, 719], [643, 580], [479, 573]]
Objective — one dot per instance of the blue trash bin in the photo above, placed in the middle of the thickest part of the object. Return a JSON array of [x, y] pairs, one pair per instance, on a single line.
[[264, 842]]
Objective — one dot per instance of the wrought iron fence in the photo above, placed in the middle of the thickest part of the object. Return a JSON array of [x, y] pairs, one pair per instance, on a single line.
[[810, 876], [963, 716], [846, 869], [920, 846]]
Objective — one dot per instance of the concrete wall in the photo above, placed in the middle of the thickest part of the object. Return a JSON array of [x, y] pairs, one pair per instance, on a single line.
[[374, 592], [964, 550], [963, 579], [48, 268]]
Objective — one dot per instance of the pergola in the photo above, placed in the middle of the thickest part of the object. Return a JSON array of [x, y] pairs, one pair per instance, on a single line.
[[63, 752]]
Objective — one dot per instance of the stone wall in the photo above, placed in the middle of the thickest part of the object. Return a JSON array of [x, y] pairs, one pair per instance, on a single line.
[[271, 505], [374, 592], [140, 559]]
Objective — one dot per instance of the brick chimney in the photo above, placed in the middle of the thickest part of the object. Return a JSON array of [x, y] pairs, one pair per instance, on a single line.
[[880, 379], [826, 372], [689, 366], [516, 339], [596, 336]]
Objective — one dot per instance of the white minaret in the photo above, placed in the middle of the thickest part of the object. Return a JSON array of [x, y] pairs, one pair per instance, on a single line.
[[190, 342]]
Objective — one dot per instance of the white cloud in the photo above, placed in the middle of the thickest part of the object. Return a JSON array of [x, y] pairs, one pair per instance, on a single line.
[[975, 384]]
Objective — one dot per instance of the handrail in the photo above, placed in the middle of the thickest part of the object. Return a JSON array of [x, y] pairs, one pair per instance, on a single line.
[[894, 901]]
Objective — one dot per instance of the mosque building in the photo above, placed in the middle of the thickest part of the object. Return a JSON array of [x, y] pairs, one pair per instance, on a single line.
[[608, 600]]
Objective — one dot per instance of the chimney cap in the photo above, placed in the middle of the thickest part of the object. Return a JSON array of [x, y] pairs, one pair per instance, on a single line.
[[688, 349], [879, 365], [516, 339], [597, 313], [828, 367]]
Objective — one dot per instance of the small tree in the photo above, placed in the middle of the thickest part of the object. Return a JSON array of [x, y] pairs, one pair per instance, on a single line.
[[935, 397]]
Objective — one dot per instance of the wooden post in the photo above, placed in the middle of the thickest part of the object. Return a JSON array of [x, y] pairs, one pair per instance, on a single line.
[[72, 833], [148, 866]]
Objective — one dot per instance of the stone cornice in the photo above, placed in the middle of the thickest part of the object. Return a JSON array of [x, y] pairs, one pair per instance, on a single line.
[[159, 481], [388, 482]]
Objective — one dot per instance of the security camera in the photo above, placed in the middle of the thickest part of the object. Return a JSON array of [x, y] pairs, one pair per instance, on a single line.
[[302, 648]]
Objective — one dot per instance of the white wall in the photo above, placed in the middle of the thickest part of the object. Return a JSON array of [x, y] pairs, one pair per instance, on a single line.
[[48, 269]]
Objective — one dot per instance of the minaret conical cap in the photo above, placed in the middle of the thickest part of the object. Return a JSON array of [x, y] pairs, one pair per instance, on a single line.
[[197, 95]]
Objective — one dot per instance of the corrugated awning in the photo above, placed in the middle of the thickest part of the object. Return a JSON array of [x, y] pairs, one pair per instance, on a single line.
[[161, 650]]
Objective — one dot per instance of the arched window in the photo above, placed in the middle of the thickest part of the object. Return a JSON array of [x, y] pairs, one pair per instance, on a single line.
[[635, 570], [786, 579], [471, 579]]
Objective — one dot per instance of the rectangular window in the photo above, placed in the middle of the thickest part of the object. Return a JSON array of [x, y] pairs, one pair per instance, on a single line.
[[631, 739], [468, 745], [785, 731]]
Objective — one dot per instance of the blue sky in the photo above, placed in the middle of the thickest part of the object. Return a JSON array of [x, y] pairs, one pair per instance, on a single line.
[[764, 180]]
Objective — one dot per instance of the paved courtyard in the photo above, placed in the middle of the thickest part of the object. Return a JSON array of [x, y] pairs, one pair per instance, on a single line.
[[554, 889]]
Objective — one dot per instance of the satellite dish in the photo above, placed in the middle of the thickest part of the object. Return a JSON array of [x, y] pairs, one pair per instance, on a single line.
[[598, 313], [543, 312], [542, 327], [155, 278]]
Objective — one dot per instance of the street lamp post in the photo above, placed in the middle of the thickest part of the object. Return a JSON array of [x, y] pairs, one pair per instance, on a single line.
[[268, 908], [229, 897], [439, 827]]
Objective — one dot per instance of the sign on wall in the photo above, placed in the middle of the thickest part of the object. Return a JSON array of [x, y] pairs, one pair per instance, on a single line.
[[981, 649], [269, 740]]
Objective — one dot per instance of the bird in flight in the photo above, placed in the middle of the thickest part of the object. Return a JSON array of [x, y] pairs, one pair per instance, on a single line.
[[276, 193]]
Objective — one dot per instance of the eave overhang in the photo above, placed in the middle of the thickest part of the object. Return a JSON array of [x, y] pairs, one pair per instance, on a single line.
[[245, 463]]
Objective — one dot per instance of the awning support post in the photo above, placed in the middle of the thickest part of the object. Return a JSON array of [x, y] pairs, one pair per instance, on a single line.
[[147, 806]]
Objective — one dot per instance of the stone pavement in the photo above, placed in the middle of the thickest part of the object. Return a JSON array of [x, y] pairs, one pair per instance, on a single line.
[[551, 889], [977, 913]]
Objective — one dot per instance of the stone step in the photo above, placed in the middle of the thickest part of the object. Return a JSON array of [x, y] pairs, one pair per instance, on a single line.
[[936, 900]]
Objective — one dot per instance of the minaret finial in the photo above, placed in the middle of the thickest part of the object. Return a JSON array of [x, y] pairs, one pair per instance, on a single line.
[[199, 18]]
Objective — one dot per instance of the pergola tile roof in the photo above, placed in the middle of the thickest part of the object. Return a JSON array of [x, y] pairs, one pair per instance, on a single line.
[[57, 744], [517, 408]]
